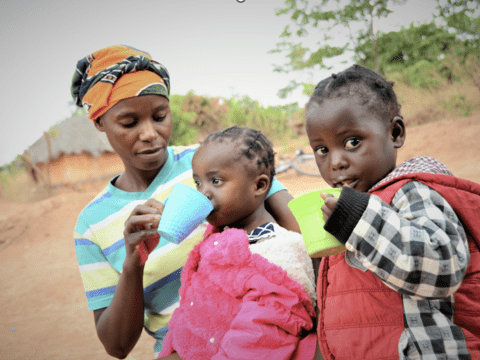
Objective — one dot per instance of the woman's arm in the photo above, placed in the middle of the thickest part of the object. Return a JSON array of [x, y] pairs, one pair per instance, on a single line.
[[120, 325], [277, 205]]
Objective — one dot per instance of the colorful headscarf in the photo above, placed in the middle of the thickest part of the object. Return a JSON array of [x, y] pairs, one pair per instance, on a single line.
[[112, 74]]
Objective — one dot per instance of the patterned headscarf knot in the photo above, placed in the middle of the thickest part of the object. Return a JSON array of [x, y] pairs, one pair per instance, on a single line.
[[112, 74]]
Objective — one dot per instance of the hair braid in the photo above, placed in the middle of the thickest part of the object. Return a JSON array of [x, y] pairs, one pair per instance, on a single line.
[[362, 82], [253, 145]]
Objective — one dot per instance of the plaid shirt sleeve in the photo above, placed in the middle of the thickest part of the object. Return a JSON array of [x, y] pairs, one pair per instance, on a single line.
[[416, 246]]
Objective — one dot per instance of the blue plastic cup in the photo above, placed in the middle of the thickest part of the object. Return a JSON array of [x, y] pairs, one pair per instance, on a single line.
[[185, 209]]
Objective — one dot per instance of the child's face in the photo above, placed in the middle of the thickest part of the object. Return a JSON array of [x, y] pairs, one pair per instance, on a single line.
[[352, 145], [221, 177]]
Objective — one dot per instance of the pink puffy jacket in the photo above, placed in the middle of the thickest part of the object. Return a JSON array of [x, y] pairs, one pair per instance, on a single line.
[[237, 305]]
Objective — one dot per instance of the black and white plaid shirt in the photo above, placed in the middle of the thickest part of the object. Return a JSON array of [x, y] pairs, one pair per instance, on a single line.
[[418, 247]]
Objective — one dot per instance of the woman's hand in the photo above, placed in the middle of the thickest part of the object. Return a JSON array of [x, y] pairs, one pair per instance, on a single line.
[[120, 325], [141, 235]]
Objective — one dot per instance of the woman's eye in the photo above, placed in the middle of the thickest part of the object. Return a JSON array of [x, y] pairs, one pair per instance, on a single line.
[[351, 143], [321, 150], [129, 125], [159, 118]]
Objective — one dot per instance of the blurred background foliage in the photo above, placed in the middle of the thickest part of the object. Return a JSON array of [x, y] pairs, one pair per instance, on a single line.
[[422, 56], [435, 67], [195, 116]]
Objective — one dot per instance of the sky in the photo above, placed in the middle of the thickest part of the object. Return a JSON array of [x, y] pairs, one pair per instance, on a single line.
[[211, 47]]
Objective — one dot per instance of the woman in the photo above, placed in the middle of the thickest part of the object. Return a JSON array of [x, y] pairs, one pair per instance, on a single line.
[[126, 95]]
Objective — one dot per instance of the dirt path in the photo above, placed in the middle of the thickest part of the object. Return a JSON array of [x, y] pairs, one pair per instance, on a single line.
[[44, 311]]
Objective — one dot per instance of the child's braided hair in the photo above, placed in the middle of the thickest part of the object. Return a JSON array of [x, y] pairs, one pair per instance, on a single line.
[[362, 82], [252, 144]]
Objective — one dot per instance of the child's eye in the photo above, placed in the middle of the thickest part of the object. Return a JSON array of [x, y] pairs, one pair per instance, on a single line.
[[197, 183], [321, 150], [352, 143], [216, 181]]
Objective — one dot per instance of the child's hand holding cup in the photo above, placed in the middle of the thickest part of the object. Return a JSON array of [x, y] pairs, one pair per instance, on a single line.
[[311, 211], [329, 202]]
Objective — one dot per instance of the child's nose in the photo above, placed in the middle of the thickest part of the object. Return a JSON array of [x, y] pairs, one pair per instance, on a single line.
[[338, 161], [205, 191]]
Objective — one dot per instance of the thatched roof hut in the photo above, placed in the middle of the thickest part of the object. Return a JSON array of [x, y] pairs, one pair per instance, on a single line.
[[78, 153], [72, 136]]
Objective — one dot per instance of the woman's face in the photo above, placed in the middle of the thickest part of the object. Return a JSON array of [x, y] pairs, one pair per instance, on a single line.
[[139, 129]]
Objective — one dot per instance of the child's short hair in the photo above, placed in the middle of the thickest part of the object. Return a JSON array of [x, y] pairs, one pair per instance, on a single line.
[[253, 145], [363, 82]]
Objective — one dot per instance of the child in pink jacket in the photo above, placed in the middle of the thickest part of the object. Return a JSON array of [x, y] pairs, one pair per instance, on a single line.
[[248, 288]]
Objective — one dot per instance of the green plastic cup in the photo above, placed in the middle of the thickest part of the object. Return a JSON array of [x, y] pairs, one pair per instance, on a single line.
[[307, 211]]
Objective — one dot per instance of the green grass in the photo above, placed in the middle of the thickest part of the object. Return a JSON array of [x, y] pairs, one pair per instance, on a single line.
[[449, 101]]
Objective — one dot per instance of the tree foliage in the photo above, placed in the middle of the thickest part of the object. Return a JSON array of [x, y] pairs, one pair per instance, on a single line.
[[401, 49], [426, 55], [462, 18], [209, 113], [416, 55], [327, 17], [183, 132], [195, 116]]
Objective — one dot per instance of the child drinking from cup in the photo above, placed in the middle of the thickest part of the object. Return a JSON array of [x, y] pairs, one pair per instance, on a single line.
[[248, 289], [408, 284]]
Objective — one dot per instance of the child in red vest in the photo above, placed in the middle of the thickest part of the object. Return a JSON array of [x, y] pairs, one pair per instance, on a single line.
[[408, 285]]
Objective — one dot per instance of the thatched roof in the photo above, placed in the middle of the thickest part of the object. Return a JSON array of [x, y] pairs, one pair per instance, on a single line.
[[72, 136]]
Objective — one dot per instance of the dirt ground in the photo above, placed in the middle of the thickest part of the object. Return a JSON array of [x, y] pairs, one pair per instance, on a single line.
[[44, 311]]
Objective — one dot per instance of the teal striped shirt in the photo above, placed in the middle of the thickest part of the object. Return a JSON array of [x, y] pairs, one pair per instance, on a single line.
[[100, 245]]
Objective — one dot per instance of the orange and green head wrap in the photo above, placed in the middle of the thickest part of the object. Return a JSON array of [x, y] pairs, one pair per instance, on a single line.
[[112, 74]]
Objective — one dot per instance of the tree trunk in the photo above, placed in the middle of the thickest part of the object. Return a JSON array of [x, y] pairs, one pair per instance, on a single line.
[[374, 41], [34, 168], [47, 167]]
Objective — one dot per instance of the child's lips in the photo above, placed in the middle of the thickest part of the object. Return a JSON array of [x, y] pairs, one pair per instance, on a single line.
[[353, 184], [212, 214], [345, 182]]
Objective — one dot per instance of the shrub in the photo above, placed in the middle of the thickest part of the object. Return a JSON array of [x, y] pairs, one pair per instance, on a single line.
[[458, 103], [422, 75]]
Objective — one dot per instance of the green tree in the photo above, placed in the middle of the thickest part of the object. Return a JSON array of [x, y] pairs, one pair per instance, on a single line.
[[400, 49], [415, 55], [356, 16], [184, 130], [462, 18], [209, 112]]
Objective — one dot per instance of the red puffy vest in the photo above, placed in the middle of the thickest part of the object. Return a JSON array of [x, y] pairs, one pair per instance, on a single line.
[[361, 318]]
